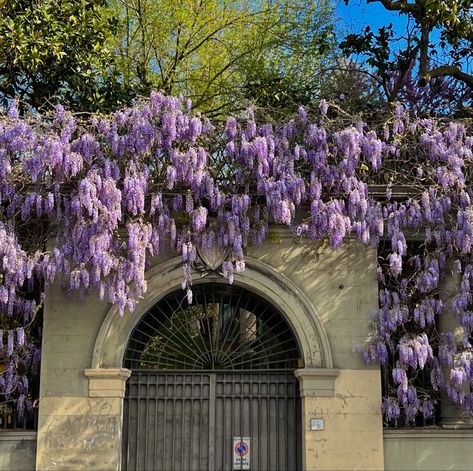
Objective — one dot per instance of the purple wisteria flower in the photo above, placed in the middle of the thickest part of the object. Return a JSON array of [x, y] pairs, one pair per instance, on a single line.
[[157, 177]]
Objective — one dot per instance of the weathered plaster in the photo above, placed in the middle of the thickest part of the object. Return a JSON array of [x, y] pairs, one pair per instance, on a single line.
[[76, 442], [352, 438]]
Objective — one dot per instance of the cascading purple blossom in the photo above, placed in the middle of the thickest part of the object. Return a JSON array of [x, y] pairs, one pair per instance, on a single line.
[[116, 190]]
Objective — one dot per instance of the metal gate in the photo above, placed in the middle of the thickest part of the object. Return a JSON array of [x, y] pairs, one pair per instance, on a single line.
[[187, 412], [188, 420]]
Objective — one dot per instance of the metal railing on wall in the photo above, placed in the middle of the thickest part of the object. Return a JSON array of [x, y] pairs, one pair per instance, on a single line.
[[15, 421]]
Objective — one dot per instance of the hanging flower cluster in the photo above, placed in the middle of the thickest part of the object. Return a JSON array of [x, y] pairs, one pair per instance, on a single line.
[[107, 194]]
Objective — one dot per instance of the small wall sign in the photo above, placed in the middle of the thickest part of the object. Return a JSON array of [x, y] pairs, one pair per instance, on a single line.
[[317, 424], [241, 453]]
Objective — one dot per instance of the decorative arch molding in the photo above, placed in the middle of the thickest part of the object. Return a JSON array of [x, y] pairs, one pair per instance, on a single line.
[[276, 288]]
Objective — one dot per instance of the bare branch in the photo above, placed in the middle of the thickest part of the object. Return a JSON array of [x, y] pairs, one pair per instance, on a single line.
[[452, 71], [401, 6]]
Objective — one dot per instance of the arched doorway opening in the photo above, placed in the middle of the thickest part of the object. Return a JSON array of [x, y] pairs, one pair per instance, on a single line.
[[208, 375]]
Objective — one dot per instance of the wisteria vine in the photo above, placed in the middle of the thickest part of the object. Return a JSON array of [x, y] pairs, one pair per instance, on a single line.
[[89, 202]]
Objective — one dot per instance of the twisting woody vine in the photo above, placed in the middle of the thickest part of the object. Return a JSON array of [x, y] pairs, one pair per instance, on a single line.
[[106, 194]]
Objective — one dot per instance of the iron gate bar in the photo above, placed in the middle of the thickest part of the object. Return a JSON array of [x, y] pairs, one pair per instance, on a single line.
[[234, 310], [191, 421], [232, 330], [146, 343], [183, 325], [213, 392]]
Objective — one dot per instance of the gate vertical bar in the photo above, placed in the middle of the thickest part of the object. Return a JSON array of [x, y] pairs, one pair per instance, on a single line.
[[137, 420], [268, 418], [183, 414], [165, 420], [241, 410], [250, 419], [286, 410], [156, 419], [224, 426], [191, 433], [173, 423], [201, 400], [276, 387], [259, 422], [146, 423], [298, 419], [212, 418]]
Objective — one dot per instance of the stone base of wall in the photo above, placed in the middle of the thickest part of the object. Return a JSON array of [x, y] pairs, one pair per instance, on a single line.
[[78, 433], [17, 450], [428, 450]]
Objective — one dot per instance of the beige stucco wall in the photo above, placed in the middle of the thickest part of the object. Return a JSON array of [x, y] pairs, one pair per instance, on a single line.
[[332, 293], [352, 438], [341, 285], [428, 450]]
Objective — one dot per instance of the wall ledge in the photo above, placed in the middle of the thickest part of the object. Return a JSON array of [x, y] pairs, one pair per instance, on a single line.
[[17, 435], [317, 382], [107, 382], [428, 434]]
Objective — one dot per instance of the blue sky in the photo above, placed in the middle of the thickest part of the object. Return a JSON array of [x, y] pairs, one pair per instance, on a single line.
[[359, 14]]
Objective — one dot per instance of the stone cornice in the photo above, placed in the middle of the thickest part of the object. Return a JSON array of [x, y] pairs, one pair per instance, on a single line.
[[317, 382], [17, 435], [107, 382], [428, 434]]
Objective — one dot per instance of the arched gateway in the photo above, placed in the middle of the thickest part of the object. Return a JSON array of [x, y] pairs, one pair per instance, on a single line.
[[212, 384], [235, 348]]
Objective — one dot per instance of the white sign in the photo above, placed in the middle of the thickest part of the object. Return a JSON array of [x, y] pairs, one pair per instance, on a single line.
[[241, 453], [317, 424]]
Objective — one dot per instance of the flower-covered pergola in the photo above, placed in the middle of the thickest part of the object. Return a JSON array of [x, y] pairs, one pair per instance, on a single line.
[[88, 202]]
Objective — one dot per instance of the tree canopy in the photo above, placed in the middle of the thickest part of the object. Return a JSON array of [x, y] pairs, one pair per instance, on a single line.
[[219, 53], [57, 50], [430, 61]]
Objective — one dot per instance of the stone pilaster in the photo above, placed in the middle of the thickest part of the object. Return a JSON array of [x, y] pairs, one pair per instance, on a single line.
[[346, 407]]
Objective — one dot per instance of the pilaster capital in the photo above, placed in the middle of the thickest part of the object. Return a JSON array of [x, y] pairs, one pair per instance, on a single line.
[[107, 382], [317, 382]]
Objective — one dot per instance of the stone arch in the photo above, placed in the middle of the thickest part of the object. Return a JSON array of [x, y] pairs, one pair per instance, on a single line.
[[112, 339]]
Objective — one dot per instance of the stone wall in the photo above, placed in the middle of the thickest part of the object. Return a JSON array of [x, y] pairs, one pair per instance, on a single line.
[[17, 450], [428, 450]]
